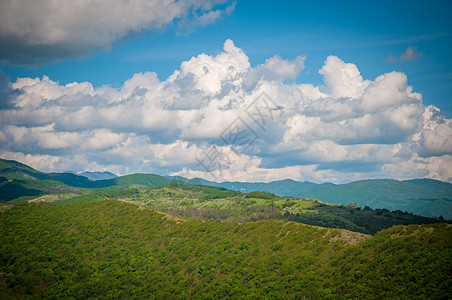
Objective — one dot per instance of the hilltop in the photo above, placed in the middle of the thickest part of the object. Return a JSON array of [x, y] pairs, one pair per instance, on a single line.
[[113, 249], [19, 182]]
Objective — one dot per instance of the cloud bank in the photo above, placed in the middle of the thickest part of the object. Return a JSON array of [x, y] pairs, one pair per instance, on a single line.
[[39, 31], [217, 117]]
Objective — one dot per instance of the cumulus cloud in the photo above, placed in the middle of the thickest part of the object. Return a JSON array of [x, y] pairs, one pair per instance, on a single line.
[[436, 137], [220, 118], [6, 92], [411, 53], [35, 32], [342, 79]]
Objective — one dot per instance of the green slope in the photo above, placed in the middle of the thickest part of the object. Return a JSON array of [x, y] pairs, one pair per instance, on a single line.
[[408, 262], [110, 249], [150, 180], [424, 197], [14, 189], [20, 182], [221, 205], [13, 170]]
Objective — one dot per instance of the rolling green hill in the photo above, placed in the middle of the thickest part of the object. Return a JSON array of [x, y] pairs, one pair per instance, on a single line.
[[20, 182], [20, 190], [424, 197], [221, 205], [110, 249], [13, 170], [147, 236], [150, 180]]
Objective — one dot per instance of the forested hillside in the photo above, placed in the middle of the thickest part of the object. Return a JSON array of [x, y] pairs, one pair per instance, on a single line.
[[221, 205], [24, 184], [426, 197], [111, 249], [19, 182]]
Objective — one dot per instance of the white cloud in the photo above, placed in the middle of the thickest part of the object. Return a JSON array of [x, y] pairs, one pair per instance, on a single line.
[[276, 68], [388, 90], [37, 161], [343, 80], [42, 30], [438, 141], [411, 53], [348, 129], [210, 73], [436, 137]]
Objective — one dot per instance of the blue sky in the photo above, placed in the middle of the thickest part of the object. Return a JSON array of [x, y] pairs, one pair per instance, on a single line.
[[361, 32], [412, 38]]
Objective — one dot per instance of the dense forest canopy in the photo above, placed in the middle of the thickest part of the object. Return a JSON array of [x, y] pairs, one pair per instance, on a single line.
[[111, 249]]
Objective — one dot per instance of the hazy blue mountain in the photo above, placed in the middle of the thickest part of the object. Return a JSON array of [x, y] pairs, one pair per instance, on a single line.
[[426, 197], [282, 188], [94, 176]]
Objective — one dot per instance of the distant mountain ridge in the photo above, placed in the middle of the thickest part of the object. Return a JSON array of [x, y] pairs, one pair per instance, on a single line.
[[282, 188], [94, 176], [426, 197]]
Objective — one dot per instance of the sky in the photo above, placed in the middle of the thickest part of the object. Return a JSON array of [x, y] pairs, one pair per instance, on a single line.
[[322, 91]]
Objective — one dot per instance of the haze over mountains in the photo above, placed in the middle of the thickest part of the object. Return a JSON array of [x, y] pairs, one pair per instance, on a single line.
[[97, 175], [424, 197]]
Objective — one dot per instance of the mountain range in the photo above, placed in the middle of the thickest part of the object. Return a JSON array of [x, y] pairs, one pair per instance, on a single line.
[[424, 197]]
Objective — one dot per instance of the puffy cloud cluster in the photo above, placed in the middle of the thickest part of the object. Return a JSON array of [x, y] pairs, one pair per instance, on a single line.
[[41, 30], [217, 117]]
